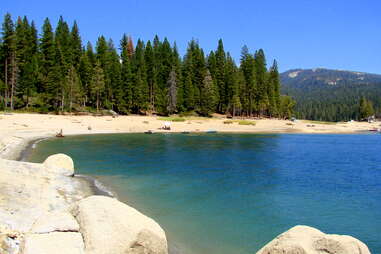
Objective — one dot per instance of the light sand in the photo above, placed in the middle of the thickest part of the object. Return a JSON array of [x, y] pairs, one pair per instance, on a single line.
[[17, 129]]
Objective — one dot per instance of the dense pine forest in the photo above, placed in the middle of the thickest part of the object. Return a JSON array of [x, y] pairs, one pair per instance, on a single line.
[[333, 95], [52, 71]]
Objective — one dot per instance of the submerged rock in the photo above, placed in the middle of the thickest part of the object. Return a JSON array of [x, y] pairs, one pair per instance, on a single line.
[[110, 226], [308, 240]]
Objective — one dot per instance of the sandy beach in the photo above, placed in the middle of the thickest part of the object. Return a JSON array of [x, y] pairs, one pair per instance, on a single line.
[[16, 130]]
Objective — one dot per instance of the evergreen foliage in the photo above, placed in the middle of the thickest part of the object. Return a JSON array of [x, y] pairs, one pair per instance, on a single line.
[[366, 108], [332, 95], [55, 72]]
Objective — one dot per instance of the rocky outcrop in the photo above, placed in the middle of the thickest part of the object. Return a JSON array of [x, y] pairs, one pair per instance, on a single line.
[[109, 226], [308, 240], [55, 222], [44, 209], [54, 242], [29, 191]]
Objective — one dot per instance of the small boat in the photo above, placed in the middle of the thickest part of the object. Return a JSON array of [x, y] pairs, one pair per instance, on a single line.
[[211, 131], [148, 132], [185, 132], [60, 134]]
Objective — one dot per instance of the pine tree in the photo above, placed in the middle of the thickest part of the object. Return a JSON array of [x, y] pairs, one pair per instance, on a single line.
[[10, 66], [85, 71], [63, 41], [366, 108], [58, 87], [102, 49], [130, 48], [76, 45], [249, 88], [33, 40], [47, 49], [102, 56], [151, 67], [126, 76], [231, 86], [74, 87], [208, 98], [188, 79], [163, 59], [98, 84], [220, 76], [197, 70], [115, 96], [90, 54], [274, 89], [262, 98], [172, 92], [140, 89], [286, 106], [22, 50], [29, 81]]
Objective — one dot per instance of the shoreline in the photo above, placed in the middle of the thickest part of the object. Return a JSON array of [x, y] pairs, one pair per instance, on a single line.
[[17, 143], [23, 150], [95, 185]]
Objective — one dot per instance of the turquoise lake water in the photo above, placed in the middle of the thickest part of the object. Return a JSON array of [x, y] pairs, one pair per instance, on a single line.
[[233, 193]]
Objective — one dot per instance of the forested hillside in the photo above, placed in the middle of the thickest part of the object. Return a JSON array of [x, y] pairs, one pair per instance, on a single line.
[[332, 95], [52, 70]]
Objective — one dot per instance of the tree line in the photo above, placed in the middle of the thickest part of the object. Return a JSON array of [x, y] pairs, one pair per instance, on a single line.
[[336, 103], [54, 71]]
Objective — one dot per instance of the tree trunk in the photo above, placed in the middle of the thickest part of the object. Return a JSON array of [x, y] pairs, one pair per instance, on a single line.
[[6, 85], [62, 101], [27, 99], [97, 102], [71, 98], [13, 80]]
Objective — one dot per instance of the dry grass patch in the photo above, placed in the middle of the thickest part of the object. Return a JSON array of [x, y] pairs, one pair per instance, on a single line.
[[240, 122]]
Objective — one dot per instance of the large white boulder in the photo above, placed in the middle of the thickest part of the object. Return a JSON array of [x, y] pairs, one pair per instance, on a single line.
[[308, 240], [28, 191], [60, 164], [112, 227]]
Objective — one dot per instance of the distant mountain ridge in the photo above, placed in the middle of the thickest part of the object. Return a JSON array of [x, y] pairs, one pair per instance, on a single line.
[[300, 78], [331, 95]]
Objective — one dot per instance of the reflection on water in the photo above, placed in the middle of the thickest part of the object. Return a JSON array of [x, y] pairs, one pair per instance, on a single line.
[[232, 193]]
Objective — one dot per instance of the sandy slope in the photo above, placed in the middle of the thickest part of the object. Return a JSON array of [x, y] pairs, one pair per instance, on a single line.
[[18, 128]]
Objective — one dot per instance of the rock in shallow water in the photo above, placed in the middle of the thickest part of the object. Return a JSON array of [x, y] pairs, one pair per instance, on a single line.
[[308, 240], [60, 164], [109, 226]]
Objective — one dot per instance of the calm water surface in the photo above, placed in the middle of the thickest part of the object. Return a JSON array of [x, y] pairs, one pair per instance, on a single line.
[[232, 193]]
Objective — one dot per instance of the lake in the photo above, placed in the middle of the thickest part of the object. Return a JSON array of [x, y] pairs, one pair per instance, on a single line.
[[233, 193]]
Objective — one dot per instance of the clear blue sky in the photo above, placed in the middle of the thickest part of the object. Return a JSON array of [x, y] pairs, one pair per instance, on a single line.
[[335, 34]]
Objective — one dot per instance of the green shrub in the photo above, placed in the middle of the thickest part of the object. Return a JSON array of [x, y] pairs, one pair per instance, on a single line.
[[246, 122], [172, 119]]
